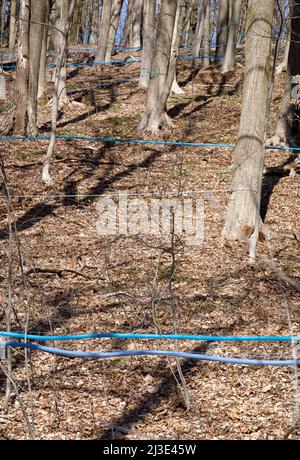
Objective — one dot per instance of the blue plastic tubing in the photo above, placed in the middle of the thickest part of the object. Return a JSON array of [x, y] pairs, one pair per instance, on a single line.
[[174, 354], [135, 141], [116, 335]]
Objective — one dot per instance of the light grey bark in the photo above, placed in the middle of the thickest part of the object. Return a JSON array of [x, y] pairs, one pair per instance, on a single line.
[[104, 30], [22, 69], [114, 21], [149, 28], [243, 217], [163, 68], [70, 6], [200, 28], [137, 23], [62, 25], [222, 30], [43, 69], [12, 24], [32, 16], [235, 8], [206, 37], [95, 23]]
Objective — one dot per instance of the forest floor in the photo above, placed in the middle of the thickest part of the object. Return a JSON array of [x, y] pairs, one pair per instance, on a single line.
[[145, 284]]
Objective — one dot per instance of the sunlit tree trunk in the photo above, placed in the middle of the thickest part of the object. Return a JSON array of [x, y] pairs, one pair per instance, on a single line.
[[243, 218], [115, 17], [235, 8], [149, 28], [12, 24], [163, 68], [200, 28], [222, 30], [22, 69], [104, 30], [69, 6], [137, 23], [95, 23]]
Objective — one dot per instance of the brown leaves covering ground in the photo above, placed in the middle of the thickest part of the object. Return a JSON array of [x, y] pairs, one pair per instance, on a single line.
[[216, 291]]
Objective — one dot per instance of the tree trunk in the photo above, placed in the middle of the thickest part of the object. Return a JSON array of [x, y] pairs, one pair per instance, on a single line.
[[43, 68], [62, 18], [149, 28], [206, 37], [85, 21], [12, 24], [235, 8], [127, 36], [104, 30], [162, 69], [69, 6], [200, 28], [288, 129], [22, 69], [222, 29], [95, 23], [243, 218], [115, 17], [137, 23], [36, 30]]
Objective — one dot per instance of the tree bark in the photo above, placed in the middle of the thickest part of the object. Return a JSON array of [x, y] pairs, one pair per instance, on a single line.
[[222, 30], [12, 24], [104, 30], [235, 8], [69, 6], [137, 23], [22, 69], [43, 69], [206, 37], [200, 28], [163, 68], [115, 17], [149, 28], [95, 23], [243, 218]]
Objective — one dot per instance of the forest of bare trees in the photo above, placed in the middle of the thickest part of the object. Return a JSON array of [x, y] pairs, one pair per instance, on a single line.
[[107, 97]]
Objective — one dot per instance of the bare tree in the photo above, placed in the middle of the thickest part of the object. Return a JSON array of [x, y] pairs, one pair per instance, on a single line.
[[108, 27], [243, 218], [137, 23], [235, 8], [22, 69], [149, 28], [104, 30], [32, 17], [163, 68], [222, 29], [66, 24], [12, 24]]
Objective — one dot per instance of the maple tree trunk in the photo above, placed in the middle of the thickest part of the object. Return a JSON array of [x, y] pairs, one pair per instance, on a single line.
[[149, 27], [163, 68], [235, 9], [222, 30], [12, 24], [115, 17], [243, 217], [137, 23], [22, 69], [104, 30]]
